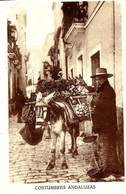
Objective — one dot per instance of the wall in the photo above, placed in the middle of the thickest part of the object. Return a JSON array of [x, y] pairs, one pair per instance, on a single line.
[[119, 79], [56, 7], [91, 7], [104, 33], [118, 54], [17, 14], [12, 86], [49, 42], [35, 61], [96, 36], [21, 28]]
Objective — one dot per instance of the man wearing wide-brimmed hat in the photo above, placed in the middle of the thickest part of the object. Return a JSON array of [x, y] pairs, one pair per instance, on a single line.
[[101, 76], [105, 123]]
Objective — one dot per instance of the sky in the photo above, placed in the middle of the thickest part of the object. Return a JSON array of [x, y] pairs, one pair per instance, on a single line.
[[40, 20]]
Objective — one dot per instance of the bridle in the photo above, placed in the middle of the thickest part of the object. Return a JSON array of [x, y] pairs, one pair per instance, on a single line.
[[41, 113]]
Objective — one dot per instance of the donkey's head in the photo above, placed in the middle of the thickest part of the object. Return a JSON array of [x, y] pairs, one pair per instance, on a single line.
[[41, 109]]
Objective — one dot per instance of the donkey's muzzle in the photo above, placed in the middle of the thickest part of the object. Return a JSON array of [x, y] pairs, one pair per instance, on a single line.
[[41, 113], [39, 123]]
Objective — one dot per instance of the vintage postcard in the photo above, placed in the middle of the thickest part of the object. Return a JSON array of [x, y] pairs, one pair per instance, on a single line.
[[62, 96]]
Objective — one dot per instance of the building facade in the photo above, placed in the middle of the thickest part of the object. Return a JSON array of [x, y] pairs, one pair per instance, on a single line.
[[16, 42], [47, 62], [90, 37], [33, 68]]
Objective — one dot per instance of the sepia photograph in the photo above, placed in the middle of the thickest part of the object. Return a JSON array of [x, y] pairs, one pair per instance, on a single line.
[[65, 95]]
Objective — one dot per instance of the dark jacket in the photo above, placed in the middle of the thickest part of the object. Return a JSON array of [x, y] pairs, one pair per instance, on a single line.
[[104, 115], [20, 99]]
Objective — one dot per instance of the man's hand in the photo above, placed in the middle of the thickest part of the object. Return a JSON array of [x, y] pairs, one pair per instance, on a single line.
[[89, 98]]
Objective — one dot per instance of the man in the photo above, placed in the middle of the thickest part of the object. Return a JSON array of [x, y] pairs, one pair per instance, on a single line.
[[20, 100], [105, 123]]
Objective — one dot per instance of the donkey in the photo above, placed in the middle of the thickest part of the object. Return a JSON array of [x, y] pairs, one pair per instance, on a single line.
[[59, 114]]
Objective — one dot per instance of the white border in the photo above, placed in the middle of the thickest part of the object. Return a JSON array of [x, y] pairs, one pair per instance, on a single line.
[[5, 187]]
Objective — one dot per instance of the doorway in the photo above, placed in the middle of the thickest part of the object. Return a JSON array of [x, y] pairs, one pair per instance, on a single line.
[[95, 63]]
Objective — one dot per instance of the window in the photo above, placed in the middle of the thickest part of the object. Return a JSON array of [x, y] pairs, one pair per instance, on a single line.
[[95, 63]]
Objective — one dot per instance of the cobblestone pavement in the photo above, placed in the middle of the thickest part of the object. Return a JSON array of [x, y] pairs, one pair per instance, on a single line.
[[27, 164]]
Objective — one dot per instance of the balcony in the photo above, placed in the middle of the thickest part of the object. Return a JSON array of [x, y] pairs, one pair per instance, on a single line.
[[74, 20], [74, 34], [11, 53], [14, 55]]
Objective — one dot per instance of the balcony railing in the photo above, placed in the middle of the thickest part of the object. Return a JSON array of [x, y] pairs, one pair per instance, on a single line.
[[13, 50], [14, 55]]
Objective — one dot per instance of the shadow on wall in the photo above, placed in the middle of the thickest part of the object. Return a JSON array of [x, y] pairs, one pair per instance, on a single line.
[[12, 107], [120, 137]]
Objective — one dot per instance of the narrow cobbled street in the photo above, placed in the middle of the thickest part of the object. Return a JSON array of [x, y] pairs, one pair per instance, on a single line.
[[27, 164]]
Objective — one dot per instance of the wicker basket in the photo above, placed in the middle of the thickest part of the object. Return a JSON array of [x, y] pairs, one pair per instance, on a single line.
[[79, 106]]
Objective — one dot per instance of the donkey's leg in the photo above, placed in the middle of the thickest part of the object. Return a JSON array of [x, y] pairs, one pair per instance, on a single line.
[[75, 151], [73, 136], [62, 150], [72, 141], [48, 135], [53, 152]]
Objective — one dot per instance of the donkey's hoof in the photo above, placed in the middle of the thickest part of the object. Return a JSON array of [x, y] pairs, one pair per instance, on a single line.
[[64, 165], [69, 151], [50, 166], [75, 152]]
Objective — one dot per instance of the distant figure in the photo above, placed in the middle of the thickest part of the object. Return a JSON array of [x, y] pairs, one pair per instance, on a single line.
[[59, 74], [20, 100]]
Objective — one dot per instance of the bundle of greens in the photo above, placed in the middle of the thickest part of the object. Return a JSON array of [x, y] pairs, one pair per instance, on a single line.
[[71, 90], [63, 88]]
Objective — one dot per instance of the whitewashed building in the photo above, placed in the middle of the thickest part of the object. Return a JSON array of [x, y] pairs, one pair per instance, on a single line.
[[16, 27], [90, 37]]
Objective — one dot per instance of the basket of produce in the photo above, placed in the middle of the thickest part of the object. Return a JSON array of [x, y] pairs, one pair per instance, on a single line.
[[63, 88], [79, 105], [90, 139], [71, 90]]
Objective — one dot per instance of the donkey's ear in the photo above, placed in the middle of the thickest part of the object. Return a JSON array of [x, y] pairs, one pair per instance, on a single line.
[[48, 98]]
